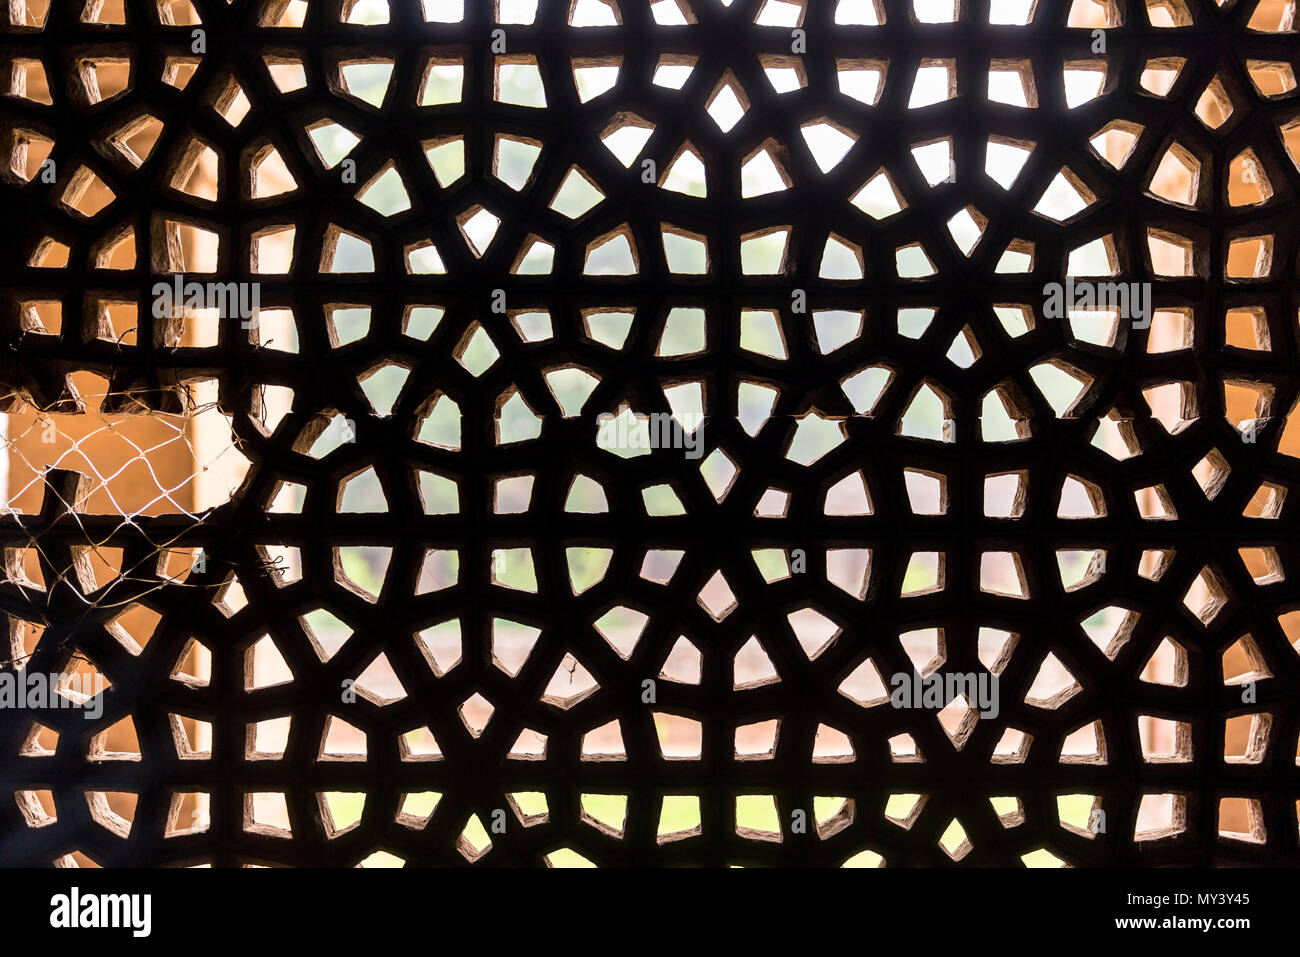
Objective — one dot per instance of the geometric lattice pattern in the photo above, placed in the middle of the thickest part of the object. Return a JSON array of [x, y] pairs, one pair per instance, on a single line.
[[457, 609]]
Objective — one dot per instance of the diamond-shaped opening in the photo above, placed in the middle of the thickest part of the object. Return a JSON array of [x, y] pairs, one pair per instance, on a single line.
[[660, 564], [476, 352], [475, 712], [954, 842], [719, 471], [1206, 596], [728, 103], [716, 597], [966, 227], [1214, 108], [479, 227], [473, 841]]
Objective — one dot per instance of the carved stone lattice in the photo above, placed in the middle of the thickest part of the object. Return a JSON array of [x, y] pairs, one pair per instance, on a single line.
[[456, 612]]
